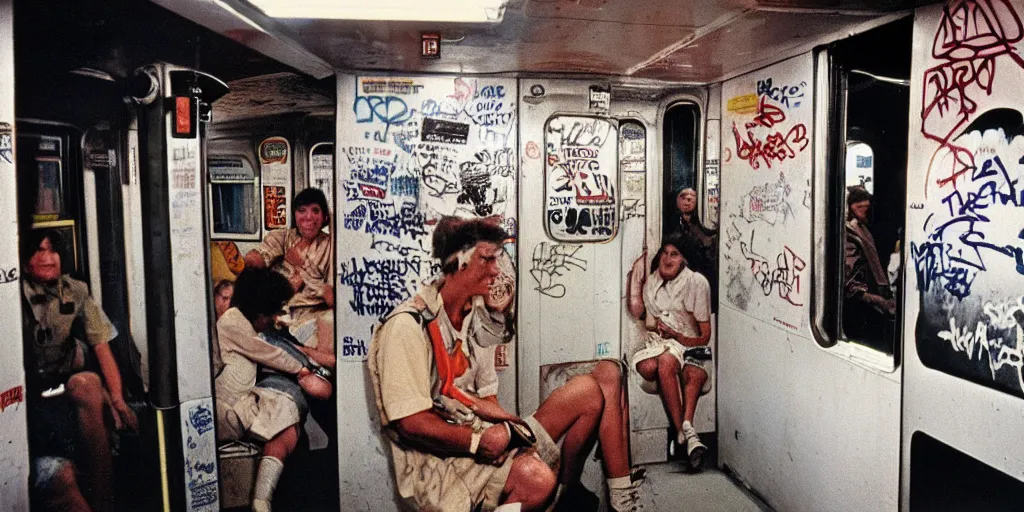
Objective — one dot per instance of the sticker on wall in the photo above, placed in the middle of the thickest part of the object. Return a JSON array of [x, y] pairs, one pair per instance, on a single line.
[[275, 172], [501, 357], [600, 99], [275, 208], [745, 104], [200, 446], [6, 143], [444, 132], [632, 147]]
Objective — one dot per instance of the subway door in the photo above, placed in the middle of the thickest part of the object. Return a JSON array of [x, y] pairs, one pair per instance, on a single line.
[[14, 462], [689, 162], [963, 380], [178, 308], [571, 287], [409, 151]]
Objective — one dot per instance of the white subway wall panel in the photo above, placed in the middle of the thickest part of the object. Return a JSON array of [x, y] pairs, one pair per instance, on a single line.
[[14, 463], [396, 176], [964, 283], [804, 426]]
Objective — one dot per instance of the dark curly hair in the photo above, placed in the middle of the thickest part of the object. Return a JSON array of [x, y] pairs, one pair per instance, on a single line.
[[260, 291], [35, 238], [453, 234], [311, 196]]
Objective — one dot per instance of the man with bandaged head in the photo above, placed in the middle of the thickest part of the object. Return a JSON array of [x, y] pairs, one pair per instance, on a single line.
[[454, 447]]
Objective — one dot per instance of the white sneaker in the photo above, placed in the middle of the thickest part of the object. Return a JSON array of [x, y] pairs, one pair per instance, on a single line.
[[695, 449], [627, 499]]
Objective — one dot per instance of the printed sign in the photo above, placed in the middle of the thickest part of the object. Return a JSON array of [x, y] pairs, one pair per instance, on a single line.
[[600, 98], [746, 104], [275, 208], [274, 149], [275, 171], [445, 132]]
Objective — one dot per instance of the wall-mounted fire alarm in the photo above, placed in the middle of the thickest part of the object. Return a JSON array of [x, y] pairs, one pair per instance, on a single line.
[[430, 46]]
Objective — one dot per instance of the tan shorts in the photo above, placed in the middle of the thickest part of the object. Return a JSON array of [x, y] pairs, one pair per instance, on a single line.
[[430, 483]]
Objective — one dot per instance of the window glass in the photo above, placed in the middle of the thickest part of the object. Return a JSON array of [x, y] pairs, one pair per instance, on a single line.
[[581, 173], [321, 170], [633, 165], [233, 194], [866, 190], [49, 203], [860, 166], [680, 160]]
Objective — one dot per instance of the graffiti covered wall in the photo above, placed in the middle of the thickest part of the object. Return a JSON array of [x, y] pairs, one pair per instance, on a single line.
[[965, 267], [410, 150], [766, 163]]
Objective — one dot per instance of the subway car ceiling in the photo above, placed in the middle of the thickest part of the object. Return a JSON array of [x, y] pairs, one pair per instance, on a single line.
[[94, 47], [697, 42]]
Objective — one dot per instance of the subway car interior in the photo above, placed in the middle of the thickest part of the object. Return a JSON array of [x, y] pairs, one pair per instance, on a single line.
[[655, 256]]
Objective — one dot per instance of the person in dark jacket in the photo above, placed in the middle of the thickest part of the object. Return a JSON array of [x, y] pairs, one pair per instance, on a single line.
[[700, 244], [868, 307]]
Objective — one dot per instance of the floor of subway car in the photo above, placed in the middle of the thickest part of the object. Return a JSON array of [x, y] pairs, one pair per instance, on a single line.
[[670, 488]]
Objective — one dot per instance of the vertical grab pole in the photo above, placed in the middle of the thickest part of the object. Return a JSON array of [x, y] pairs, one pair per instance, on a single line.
[[177, 284]]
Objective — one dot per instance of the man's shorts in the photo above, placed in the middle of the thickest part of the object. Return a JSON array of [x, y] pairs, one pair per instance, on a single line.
[[431, 483]]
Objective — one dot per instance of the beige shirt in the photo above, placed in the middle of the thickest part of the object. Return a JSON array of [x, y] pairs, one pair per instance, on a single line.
[[54, 326], [242, 350], [315, 271]]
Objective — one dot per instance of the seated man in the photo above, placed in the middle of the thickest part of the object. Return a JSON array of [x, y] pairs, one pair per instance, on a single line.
[[305, 254], [454, 448], [66, 413], [869, 308], [271, 410]]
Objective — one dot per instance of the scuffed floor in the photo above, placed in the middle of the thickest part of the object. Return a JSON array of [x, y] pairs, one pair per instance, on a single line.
[[671, 489]]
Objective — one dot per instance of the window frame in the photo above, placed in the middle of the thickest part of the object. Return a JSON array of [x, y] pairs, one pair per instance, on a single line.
[[617, 205], [828, 183], [257, 200], [334, 171]]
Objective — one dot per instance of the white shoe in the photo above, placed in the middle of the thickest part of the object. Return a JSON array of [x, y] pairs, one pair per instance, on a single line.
[[695, 449], [260, 506], [626, 499]]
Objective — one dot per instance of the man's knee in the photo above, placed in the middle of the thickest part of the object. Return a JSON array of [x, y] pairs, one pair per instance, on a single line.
[[533, 478], [609, 377], [591, 398], [86, 389]]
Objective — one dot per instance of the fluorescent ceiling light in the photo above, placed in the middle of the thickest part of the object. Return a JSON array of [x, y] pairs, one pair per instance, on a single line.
[[453, 11]]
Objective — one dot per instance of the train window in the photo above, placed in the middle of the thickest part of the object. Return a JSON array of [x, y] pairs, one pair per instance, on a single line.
[[321, 170], [581, 178], [860, 167], [633, 166], [865, 181], [234, 198], [680, 149]]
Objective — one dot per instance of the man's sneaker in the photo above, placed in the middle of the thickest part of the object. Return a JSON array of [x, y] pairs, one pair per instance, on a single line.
[[627, 499], [577, 498], [695, 449], [638, 475]]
